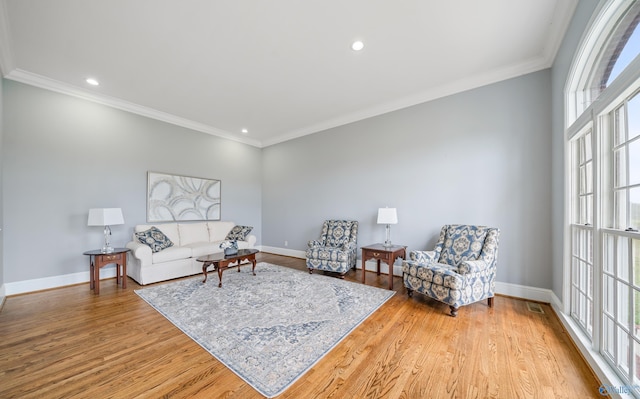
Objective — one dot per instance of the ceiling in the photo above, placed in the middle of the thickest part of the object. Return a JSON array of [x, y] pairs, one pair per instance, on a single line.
[[280, 69]]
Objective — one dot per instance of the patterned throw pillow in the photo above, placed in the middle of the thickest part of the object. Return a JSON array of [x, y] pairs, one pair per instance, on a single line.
[[239, 233], [155, 239]]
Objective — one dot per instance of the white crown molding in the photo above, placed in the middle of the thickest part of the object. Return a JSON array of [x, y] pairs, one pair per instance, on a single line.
[[6, 52], [43, 82], [472, 82]]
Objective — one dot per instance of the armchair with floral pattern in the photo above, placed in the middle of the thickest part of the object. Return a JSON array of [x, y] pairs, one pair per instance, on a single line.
[[459, 271], [335, 251]]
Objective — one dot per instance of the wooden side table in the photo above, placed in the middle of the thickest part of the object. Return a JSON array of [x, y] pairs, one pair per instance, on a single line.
[[386, 254], [97, 260]]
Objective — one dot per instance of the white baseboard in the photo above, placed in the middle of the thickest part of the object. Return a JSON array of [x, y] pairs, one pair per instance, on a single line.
[[525, 292], [282, 251], [21, 287]]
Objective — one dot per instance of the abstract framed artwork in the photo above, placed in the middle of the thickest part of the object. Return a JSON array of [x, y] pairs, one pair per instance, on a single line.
[[174, 197]]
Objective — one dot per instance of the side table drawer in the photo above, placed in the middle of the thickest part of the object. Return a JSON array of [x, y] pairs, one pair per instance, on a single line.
[[111, 258], [376, 254]]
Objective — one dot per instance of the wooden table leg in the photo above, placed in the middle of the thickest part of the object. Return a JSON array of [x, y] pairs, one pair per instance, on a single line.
[[364, 262], [378, 267], [91, 274], [204, 270], [253, 268], [124, 273], [96, 279], [219, 276]]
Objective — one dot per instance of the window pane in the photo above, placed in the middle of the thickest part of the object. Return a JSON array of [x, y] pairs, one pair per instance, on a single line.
[[589, 244], [634, 207], [633, 116], [589, 209], [634, 162], [583, 180], [620, 216], [589, 177], [609, 250], [636, 315], [623, 304], [623, 350], [620, 167], [587, 147], [622, 262], [636, 263], [608, 329], [619, 134], [636, 351], [608, 295]]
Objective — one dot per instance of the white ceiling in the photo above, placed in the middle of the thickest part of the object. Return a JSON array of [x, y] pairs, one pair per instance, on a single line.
[[282, 68]]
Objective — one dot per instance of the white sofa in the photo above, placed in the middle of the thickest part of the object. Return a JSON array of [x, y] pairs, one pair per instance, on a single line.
[[190, 240]]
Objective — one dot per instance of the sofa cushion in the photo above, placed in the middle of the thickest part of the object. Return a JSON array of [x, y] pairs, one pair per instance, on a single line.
[[193, 232], [155, 239], [169, 229], [218, 230], [173, 253], [203, 248], [239, 233]]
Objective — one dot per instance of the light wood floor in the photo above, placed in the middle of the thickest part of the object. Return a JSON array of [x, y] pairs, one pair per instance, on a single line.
[[68, 342]]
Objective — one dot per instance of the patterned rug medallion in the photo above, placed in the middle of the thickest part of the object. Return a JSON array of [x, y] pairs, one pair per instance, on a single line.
[[270, 328]]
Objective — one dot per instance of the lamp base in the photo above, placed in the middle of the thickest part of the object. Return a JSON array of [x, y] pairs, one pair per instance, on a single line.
[[387, 242], [106, 250]]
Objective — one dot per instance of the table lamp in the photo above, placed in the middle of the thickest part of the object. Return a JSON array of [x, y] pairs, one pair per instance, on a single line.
[[105, 217], [387, 216]]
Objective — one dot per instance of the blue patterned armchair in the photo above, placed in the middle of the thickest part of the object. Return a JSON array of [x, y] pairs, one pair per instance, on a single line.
[[461, 270], [335, 251]]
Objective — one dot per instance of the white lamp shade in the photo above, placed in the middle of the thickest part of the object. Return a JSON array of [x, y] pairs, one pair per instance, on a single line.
[[105, 217], [387, 216]]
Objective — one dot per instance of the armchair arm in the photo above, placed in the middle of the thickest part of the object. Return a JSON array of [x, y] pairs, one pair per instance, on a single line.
[[423, 256], [314, 243], [348, 246], [472, 266]]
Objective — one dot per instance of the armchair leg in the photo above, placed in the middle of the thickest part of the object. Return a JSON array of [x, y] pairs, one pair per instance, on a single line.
[[409, 292], [490, 301], [310, 271], [454, 311]]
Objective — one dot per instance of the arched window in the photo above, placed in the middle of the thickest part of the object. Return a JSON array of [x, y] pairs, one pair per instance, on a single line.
[[603, 155]]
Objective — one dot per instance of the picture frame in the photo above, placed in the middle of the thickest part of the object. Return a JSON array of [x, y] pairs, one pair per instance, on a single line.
[[182, 198]]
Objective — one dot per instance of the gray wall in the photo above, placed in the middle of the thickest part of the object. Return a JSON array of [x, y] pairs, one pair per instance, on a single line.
[[1, 197], [560, 72], [63, 155], [478, 157]]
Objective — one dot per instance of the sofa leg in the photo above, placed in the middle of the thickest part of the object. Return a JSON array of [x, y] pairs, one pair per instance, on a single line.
[[454, 311], [310, 271], [409, 292], [490, 301], [342, 276]]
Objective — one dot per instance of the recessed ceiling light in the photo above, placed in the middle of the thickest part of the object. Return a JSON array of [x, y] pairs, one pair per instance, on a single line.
[[357, 45], [245, 131], [92, 82]]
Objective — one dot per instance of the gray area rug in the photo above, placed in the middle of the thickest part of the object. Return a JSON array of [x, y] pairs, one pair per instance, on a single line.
[[269, 328]]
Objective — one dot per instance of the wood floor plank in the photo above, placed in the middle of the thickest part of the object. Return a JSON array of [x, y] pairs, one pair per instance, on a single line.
[[70, 343]]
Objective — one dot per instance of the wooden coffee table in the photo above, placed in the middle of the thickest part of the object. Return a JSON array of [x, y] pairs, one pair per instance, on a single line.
[[221, 262]]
